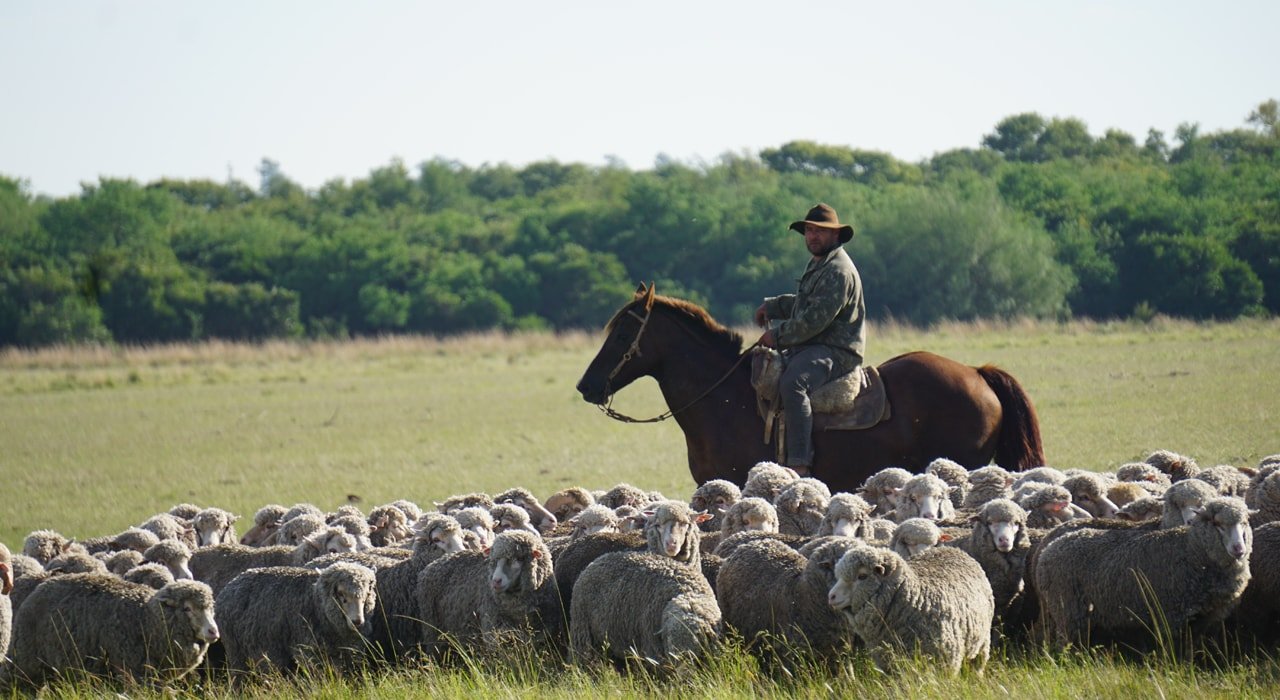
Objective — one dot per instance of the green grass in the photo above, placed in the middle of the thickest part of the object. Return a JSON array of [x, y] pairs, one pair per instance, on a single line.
[[93, 441]]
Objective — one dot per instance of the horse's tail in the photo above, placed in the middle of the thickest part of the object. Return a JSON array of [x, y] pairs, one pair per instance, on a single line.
[[1019, 445]]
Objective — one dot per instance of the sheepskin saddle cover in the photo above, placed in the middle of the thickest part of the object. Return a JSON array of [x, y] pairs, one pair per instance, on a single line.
[[853, 401]]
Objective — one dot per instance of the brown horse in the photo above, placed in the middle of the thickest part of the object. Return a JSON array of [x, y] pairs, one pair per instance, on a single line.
[[940, 408]]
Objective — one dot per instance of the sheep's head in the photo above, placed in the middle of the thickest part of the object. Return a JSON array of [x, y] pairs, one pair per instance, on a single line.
[[671, 529], [388, 525], [624, 495], [1089, 491], [265, 523], [509, 516], [513, 553], [542, 519], [846, 514], [1176, 466], [1141, 471], [329, 540], [766, 480], [439, 531], [1005, 520], [45, 545], [566, 503], [751, 513], [715, 496], [594, 518], [295, 531], [1138, 510], [353, 589], [859, 574], [1184, 499], [925, 496], [173, 555], [136, 539], [881, 489], [214, 526], [6, 570], [913, 536], [1049, 500], [476, 524], [820, 570], [453, 504], [1231, 519], [189, 603]]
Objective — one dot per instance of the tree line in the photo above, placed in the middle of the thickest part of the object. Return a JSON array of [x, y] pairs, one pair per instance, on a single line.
[[1042, 220]]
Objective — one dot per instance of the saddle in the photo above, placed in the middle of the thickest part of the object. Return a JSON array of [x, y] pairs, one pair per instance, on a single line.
[[852, 401]]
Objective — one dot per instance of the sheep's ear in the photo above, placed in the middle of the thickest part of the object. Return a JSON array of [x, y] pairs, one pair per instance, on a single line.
[[702, 517], [537, 554], [486, 550], [1199, 513], [1123, 516], [944, 537], [648, 513], [880, 570], [975, 518]]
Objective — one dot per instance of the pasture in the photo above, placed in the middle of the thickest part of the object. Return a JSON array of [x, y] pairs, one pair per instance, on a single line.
[[92, 441]]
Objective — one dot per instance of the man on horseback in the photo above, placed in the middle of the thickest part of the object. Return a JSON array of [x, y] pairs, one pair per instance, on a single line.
[[821, 333]]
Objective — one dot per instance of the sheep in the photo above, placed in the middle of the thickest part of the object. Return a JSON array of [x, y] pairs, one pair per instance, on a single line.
[[265, 523], [923, 496], [1183, 499], [1260, 603], [389, 526], [541, 518], [656, 604], [293, 531], [173, 555], [956, 477], [509, 516], [45, 545], [136, 539], [914, 535], [1147, 508], [167, 527], [150, 574], [624, 494], [1000, 544], [801, 505], [411, 510], [593, 519], [510, 597], [453, 504], [185, 511], [122, 561], [72, 562], [938, 603], [714, 497], [577, 555], [766, 480], [1047, 505], [1177, 467], [1145, 475], [103, 625], [1126, 584], [630, 518], [1264, 470], [214, 526], [881, 489], [357, 527], [847, 515], [217, 566], [300, 509], [752, 513], [397, 626], [1089, 491], [292, 618], [1042, 475], [1266, 500], [1122, 493], [566, 503], [1229, 480], [987, 484], [6, 606], [347, 510], [767, 588], [476, 524]]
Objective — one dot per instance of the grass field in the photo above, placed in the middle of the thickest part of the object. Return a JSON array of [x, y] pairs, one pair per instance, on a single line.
[[92, 441]]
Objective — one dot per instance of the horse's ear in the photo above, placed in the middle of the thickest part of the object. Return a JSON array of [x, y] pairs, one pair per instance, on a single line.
[[648, 297], [642, 290]]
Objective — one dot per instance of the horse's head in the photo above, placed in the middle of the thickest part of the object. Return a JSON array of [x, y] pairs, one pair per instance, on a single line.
[[620, 360]]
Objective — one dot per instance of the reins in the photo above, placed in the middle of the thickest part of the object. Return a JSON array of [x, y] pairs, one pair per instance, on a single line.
[[634, 351]]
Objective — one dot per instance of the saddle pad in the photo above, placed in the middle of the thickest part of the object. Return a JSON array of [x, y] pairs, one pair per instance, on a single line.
[[870, 405]]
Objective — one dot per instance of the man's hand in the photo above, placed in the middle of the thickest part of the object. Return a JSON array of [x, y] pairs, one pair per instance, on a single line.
[[761, 317], [767, 340]]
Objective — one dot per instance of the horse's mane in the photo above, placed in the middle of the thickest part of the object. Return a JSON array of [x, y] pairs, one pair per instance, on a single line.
[[718, 335]]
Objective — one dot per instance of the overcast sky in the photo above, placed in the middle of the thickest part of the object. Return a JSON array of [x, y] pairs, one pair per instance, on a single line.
[[156, 88]]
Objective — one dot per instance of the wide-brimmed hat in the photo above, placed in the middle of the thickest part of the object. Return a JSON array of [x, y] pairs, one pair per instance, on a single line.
[[823, 215]]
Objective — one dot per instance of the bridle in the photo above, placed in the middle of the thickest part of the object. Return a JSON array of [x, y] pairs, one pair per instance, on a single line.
[[633, 352]]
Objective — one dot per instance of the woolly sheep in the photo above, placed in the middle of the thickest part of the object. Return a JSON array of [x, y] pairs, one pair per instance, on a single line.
[[750, 514], [1145, 475], [218, 566], [509, 516], [594, 518], [1264, 470], [767, 588], [1042, 475], [6, 607], [411, 510], [122, 561], [955, 476], [577, 555], [1266, 500], [714, 497], [300, 509], [541, 518], [185, 511], [923, 496], [1089, 491], [766, 480], [847, 515], [265, 523], [1259, 611], [1000, 544], [150, 574], [389, 526], [801, 506], [987, 484], [453, 504], [172, 555], [881, 489], [670, 608], [476, 523], [161, 634], [397, 626], [624, 494], [1147, 508], [168, 527], [45, 545], [1047, 505], [343, 511], [939, 603], [136, 539], [1182, 501], [1103, 583], [1177, 467], [1122, 493], [357, 527], [1228, 480], [291, 618], [566, 503], [72, 562], [214, 526], [293, 531], [506, 596], [914, 535]]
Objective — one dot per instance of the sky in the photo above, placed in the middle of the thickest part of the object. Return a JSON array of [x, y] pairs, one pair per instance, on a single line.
[[151, 89]]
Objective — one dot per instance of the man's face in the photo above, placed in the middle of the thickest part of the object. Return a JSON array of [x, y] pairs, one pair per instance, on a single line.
[[820, 239]]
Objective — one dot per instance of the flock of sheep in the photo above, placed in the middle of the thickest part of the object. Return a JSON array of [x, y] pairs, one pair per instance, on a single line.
[[942, 564]]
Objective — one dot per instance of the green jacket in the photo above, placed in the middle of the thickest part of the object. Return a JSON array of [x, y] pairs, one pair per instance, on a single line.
[[827, 309]]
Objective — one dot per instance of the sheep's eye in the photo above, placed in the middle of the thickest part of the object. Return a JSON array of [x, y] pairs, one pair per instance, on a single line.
[[862, 576], [1082, 498]]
